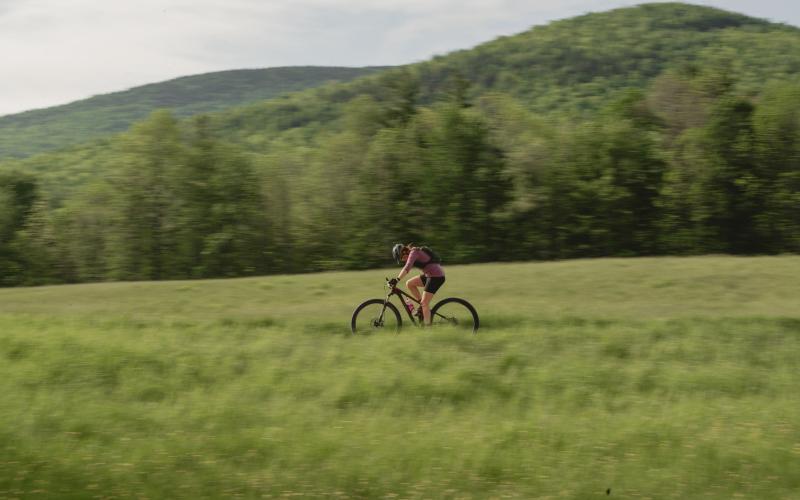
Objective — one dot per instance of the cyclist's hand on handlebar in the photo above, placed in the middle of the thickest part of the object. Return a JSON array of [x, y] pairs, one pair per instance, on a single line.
[[393, 282]]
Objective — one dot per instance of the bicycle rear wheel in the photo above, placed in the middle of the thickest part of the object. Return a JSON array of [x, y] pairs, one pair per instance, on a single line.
[[372, 317], [455, 313]]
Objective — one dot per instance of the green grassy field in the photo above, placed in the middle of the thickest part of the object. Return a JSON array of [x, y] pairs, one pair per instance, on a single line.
[[651, 378]]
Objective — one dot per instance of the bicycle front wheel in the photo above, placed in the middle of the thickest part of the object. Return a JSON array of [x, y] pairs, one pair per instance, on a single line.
[[455, 313], [375, 316]]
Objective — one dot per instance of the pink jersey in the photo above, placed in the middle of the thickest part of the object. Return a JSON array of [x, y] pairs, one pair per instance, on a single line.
[[420, 258]]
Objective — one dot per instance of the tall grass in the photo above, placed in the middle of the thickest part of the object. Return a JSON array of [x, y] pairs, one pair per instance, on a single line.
[[253, 387]]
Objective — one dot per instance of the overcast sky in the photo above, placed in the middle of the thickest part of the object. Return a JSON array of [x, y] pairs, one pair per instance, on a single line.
[[57, 51]]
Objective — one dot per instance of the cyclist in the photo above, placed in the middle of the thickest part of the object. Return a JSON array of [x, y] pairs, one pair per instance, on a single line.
[[432, 277]]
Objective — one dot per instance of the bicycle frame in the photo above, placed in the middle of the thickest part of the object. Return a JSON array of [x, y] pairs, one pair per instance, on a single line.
[[400, 293]]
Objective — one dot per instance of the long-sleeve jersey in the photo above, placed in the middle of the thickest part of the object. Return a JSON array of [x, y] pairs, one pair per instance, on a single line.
[[420, 259]]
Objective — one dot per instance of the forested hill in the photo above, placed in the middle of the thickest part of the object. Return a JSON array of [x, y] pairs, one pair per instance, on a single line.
[[565, 70], [571, 68], [658, 129], [31, 132]]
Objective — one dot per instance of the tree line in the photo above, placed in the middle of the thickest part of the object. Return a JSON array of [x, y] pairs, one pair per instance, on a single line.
[[686, 167]]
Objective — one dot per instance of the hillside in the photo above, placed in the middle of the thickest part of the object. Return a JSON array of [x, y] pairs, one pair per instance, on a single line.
[[575, 66], [645, 378], [569, 68], [24, 134]]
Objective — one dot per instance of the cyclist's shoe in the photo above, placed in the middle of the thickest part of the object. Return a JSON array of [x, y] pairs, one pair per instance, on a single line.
[[419, 314]]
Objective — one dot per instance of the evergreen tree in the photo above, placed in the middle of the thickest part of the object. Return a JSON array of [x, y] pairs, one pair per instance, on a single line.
[[734, 187], [777, 136], [18, 195], [148, 158]]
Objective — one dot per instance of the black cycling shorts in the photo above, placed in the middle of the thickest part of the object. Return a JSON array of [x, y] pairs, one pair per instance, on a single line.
[[433, 283]]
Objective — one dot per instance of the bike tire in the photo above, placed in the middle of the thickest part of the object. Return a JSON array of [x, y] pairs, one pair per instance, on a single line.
[[366, 318], [456, 313]]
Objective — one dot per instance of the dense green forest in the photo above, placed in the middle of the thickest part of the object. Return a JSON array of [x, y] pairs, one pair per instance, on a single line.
[[660, 129], [37, 131]]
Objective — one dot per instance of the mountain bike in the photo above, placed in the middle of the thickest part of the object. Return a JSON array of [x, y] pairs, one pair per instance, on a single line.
[[381, 315]]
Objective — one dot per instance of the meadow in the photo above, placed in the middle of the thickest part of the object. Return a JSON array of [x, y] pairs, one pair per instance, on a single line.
[[608, 378]]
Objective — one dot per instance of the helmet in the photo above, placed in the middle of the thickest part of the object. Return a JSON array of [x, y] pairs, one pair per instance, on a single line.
[[397, 252]]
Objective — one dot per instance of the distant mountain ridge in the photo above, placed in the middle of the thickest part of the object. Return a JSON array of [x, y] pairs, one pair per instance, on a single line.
[[35, 131], [571, 67]]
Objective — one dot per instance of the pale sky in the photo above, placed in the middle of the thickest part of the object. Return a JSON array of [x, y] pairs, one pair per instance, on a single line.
[[58, 51]]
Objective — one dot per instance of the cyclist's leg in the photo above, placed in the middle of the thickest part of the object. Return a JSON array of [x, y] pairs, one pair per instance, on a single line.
[[431, 287], [413, 285], [426, 307]]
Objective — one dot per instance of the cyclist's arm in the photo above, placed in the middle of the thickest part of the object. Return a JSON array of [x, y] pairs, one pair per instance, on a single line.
[[412, 257]]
